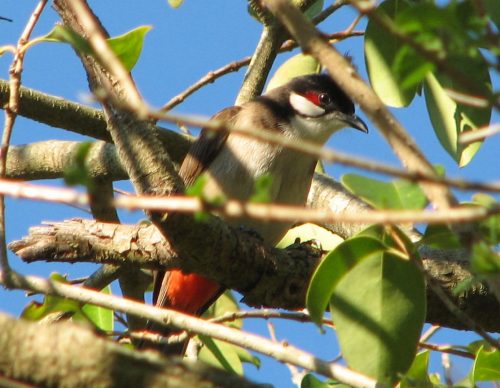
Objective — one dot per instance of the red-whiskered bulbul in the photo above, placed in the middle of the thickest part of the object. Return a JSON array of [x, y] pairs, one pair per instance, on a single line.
[[311, 108]]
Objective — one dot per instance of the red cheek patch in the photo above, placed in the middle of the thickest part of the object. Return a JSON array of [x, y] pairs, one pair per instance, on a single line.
[[313, 97]]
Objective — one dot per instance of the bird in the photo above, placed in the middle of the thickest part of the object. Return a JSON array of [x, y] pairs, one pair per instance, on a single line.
[[310, 108]]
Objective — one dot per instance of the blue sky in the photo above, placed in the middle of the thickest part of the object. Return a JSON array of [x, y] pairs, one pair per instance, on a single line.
[[184, 45]]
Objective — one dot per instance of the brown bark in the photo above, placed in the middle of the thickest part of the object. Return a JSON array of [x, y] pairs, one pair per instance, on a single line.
[[69, 355], [266, 277]]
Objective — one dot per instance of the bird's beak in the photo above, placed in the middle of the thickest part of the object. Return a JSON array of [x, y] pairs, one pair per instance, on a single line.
[[354, 121]]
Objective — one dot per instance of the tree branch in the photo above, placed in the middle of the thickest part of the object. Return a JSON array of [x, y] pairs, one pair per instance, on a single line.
[[287, 354], [69, 355], [269, 277], [82, 119]]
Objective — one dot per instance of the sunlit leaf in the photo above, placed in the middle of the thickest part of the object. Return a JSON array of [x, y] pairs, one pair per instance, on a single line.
[[450, 118], [310, 381], [440, 236], [225, 304], [175, 3], [307, 232], [35, 311], [398, 194], [297, 65], [487, 365], [246, 357], [221, 355], [128, 46], [378, 309], [418, 375], [333, 267], [101, 317], [395, 71], [65, 34]]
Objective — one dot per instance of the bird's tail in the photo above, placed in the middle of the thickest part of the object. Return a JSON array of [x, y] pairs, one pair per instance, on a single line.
[[187, 293]]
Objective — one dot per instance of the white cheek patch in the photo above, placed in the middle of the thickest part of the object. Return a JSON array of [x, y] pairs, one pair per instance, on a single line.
[[305, 107]]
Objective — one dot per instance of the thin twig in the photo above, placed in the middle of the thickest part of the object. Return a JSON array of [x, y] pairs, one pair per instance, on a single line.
[[107, 58], [288, 354], [268, 314], [447, 349], [262, 211], [310, 148], [429, 333], [232, 67], [328, 11], [479, 134], [11, 110], [297, 375]]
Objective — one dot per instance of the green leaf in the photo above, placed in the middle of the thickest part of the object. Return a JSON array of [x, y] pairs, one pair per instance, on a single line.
[[417, 375], [333, 268], [65, 34], [77, 171], [262, 188], [489, 228], [307, 232], [486, 365], [101, 317], [220, 355], [196, 189], [378, 309], [450, 118], [493, 10], [246, 357], [314, 9], [394, 69], [398, 194], [296, 66], [175, 3], [441, 237], [35, 311], [310, 381], [128, 46], [484, 261], [225, 304]]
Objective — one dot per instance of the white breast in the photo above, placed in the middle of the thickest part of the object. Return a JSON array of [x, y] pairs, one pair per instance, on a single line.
[[243, 160]]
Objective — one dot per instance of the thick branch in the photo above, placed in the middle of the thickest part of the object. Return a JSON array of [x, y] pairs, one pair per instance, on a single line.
[[68, 355], [269, 277], [81, 119], [266, 276]]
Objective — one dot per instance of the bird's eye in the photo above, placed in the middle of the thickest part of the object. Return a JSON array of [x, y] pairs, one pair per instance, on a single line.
[[324, 99]]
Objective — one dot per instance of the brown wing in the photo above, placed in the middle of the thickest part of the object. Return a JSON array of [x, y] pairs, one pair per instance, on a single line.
[[202, 152], [206, 147]]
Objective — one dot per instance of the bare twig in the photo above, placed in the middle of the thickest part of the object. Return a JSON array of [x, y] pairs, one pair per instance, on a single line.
[[417, 174], [264, 211], [267, 314], [11, 110], [288, 354], [213, 75], [107, 58], [447, 349], [479, 134]]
